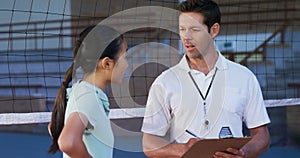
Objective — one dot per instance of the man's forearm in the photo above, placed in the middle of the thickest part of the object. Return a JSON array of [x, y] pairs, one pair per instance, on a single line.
[[157, 147], [168, 151], [259, 143]]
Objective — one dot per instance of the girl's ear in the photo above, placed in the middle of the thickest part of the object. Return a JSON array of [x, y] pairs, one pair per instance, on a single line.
[[214, 30], [106, 63]]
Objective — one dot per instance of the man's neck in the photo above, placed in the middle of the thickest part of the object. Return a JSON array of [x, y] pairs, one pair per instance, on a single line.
[[204, 64]]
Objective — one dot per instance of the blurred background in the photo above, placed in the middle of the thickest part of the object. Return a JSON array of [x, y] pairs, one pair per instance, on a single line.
[[36, 48]]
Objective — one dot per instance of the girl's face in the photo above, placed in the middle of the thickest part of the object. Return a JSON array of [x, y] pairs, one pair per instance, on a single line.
[[120, 65]]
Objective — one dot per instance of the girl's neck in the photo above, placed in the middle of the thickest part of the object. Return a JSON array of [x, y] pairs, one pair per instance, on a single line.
[[95, 80]]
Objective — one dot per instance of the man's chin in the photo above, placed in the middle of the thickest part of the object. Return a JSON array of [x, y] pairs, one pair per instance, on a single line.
[[192, 54]]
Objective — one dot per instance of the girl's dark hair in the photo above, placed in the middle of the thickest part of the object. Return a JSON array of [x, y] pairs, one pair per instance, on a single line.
[[208, 8], [87, 52]]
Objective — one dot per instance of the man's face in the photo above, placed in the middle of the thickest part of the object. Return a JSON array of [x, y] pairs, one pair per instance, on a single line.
[[194, 34]]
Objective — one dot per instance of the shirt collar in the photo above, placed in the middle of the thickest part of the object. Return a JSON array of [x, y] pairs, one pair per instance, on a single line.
[[221, 63], [101, 95], [98, 91]]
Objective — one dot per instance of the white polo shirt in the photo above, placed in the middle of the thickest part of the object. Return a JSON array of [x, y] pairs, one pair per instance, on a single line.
[[175, 105]]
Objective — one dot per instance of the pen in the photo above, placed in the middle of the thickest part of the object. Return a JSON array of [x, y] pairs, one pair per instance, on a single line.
[[191, 133]]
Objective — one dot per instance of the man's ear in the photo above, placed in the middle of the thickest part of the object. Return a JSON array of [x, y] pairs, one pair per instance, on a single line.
[[214, 30], [106, 63]]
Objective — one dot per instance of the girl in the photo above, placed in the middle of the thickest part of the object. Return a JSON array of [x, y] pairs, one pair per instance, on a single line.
[[80, 126]]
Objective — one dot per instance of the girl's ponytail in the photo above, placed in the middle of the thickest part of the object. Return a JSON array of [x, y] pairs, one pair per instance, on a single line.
[[58, 112]]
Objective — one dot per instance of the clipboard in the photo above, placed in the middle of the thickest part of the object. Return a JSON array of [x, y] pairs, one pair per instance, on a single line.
[[206, 148]]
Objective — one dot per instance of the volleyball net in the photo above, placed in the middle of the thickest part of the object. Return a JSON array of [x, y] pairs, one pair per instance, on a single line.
[[37, 39]]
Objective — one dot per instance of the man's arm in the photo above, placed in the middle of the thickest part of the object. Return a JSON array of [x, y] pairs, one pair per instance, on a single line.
[[156, 147], [259, 143]]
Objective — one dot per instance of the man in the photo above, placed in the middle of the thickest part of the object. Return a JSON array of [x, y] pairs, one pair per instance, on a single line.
[[204, 94]]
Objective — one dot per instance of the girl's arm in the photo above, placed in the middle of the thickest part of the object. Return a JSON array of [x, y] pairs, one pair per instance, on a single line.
[[70, 139]]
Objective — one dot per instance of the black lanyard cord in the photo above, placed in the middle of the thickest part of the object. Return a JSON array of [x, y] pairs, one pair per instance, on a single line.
[[206, 122], [204, 98]]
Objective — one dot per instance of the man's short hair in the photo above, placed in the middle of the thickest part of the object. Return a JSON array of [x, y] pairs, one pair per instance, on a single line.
[[208, 8]]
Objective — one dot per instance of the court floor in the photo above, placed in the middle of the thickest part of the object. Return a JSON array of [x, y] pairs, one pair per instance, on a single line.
[[19, 145]]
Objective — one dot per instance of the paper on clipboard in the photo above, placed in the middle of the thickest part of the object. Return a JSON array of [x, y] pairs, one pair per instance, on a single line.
[[206, 148]]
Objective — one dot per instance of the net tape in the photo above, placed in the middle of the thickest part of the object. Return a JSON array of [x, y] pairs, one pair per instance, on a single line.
[[125, 113]]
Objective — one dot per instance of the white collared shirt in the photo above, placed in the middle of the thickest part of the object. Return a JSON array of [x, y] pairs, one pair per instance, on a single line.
[[175, 105]]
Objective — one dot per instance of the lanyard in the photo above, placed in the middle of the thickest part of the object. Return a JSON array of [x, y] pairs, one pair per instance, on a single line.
[[206, 94]]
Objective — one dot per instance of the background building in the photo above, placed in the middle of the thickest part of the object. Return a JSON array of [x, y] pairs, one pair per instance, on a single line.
[[36, 48]]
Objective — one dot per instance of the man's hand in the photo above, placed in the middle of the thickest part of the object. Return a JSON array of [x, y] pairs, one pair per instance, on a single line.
[[191, 142], [157, 147], [188, 145], [230, 153]]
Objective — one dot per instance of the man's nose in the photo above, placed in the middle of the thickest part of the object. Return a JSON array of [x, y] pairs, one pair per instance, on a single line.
[[187, 35]]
